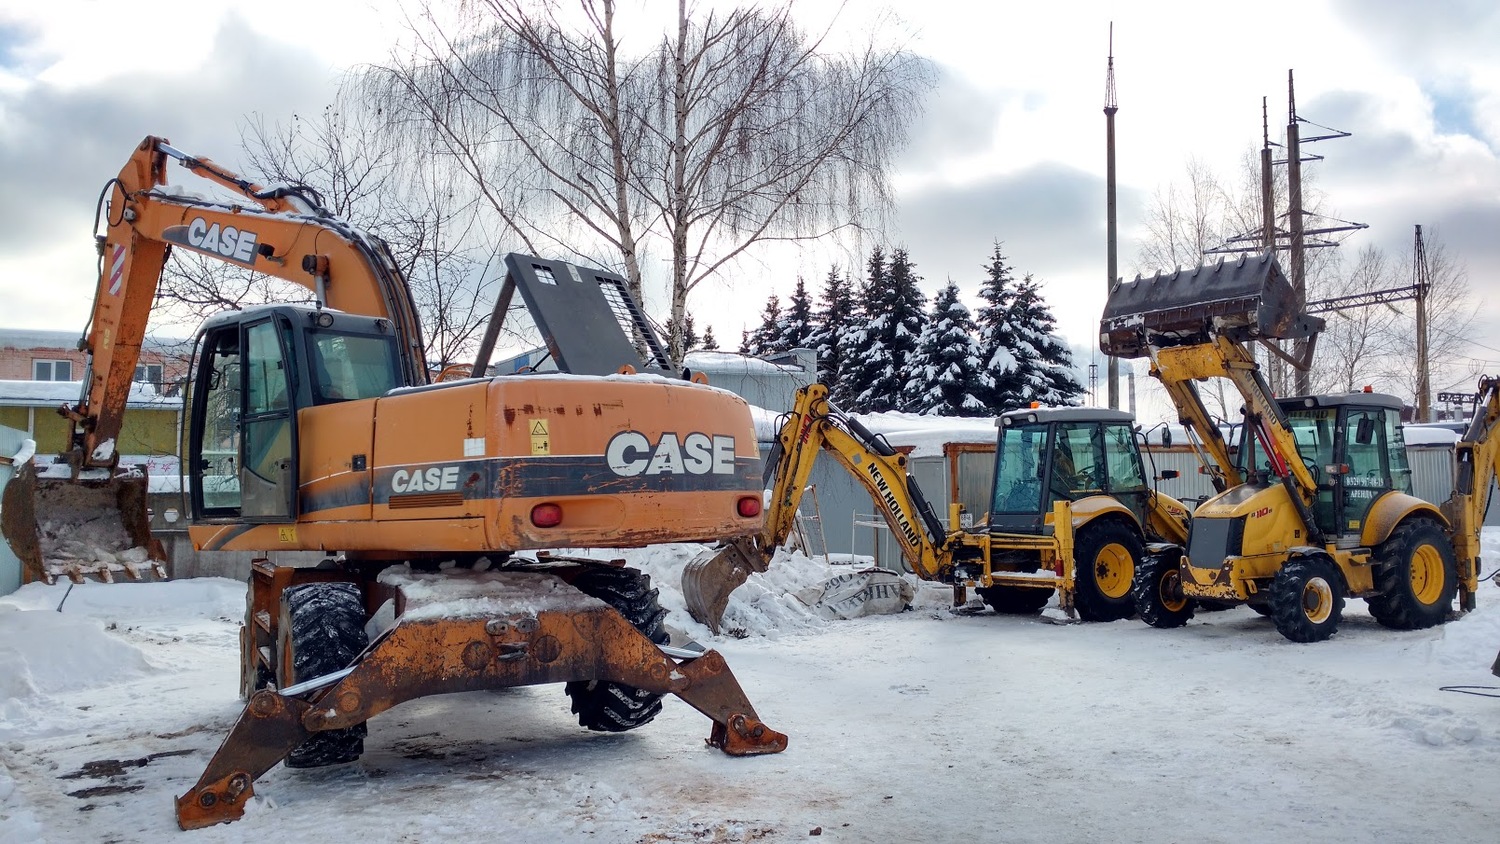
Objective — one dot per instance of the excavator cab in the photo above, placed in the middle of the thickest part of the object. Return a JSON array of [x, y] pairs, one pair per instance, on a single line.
[[255, 372], [1047, 455], [1352, 446]]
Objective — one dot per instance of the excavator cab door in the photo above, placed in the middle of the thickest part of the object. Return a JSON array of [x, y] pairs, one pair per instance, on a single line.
[[243, 426], [1374, 467]]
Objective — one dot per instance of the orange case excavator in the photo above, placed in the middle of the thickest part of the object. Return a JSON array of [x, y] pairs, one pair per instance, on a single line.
[[314, 428]]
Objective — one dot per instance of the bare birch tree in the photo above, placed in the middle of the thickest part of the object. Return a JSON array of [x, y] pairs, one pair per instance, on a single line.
[[736, 129]]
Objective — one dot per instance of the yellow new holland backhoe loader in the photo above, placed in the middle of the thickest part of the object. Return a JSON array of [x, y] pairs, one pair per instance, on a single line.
[[314, 428], [1317, 504], [1070, 512]]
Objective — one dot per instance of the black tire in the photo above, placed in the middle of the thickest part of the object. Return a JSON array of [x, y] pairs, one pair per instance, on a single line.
[[1158, 591], [615, 707], [1105, 557], [1015, 600], [323, 624], [1416, 577], [1307, 599]]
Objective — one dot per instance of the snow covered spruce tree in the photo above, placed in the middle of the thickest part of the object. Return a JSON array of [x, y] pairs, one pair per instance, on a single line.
[[1022, 357], [765, 339], [947, 370], [830, 323], [876, 364], [794, 329], [1044, 366], [995, 332]]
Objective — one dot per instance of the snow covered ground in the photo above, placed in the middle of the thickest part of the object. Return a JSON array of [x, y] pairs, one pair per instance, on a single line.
[[930, 725]]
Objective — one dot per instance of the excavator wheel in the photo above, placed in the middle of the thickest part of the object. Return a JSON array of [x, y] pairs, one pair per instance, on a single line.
[[322, 631], [615, 707], [1158, 592], [1015, 600], [1416, 577], [1307, 599], [1105, 554]]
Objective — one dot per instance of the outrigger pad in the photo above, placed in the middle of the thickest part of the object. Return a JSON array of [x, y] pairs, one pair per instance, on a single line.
[[1244, 300]]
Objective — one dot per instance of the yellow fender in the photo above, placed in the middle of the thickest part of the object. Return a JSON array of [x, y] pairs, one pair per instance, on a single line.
[[1392, 509], [1086, 510]]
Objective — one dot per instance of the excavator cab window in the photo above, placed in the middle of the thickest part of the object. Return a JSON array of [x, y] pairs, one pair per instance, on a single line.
[[242, 426], [1126, 479], [1314, 431], [1366, 455], [1019, 470], [352, 366], [216, 425]]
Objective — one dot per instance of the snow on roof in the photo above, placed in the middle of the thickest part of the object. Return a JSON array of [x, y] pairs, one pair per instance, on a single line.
[[41, 338], [1425, 435], [711, 362], [33, 393]]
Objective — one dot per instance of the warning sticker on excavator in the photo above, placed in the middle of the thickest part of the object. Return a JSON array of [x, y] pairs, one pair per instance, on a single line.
[[541, 439], [286, 534]]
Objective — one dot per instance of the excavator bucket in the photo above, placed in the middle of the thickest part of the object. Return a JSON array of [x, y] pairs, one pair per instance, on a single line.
[[92, 527], [709, 578], [1244, 300]]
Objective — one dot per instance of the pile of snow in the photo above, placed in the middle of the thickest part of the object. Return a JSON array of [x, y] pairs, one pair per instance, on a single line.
[[43, 653], [765, 607], [1473, 639]]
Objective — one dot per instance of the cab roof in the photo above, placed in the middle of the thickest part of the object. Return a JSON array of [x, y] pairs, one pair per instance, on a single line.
[[1048, 415]]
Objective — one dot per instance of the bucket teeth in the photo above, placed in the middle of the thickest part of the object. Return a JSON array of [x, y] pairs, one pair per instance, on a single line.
[[1242, 300]]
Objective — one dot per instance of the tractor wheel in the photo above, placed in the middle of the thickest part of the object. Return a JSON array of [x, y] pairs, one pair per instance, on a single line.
[[616, 707], [322, 630], [1158, 592], [1104, 562], [1416, 577], [1015, 600], [1307, 599]]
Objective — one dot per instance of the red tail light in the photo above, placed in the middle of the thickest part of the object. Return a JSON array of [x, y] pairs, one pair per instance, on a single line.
[[749, 506], [546, 515]]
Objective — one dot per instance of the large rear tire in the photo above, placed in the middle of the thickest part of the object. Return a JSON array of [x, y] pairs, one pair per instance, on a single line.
[[1416, 577], [1105, 556], [615, 707], [1307, 599], [322, 630], [1158, 592], [1015, 600]]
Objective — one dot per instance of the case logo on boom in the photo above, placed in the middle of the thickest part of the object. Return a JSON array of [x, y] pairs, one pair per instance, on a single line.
[[632, 453], [224, 241]]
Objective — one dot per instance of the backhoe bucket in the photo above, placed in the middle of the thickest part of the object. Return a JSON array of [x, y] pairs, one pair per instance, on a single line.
[[61, 527], [709, 578], [1242, 300]]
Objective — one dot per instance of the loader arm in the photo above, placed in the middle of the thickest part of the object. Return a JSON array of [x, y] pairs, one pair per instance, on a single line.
[[1476, 459], [283, 233], [814, 425]]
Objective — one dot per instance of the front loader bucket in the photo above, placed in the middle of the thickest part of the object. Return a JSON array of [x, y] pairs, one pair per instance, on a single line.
[[1242, 300], [60, 527], [709, 578]]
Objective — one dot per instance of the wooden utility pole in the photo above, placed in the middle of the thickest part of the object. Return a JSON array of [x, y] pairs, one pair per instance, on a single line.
[[1111, 236], [1276, 369]]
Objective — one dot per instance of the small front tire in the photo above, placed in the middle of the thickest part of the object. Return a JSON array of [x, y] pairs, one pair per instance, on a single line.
[[1307, 599], [1158, 591]]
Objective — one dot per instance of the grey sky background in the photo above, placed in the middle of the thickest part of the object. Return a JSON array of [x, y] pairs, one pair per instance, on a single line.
[[1010, 148]]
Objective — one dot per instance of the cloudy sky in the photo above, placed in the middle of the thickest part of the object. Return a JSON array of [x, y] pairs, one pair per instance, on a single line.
[[1011, 146]]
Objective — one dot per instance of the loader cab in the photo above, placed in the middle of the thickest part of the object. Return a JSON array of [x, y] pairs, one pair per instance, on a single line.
[[255, 370], [1352, 445], [1045, 455]]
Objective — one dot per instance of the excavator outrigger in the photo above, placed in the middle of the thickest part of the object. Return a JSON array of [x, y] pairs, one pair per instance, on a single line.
[[1070, 512], [1317, 503], [314, 428]]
